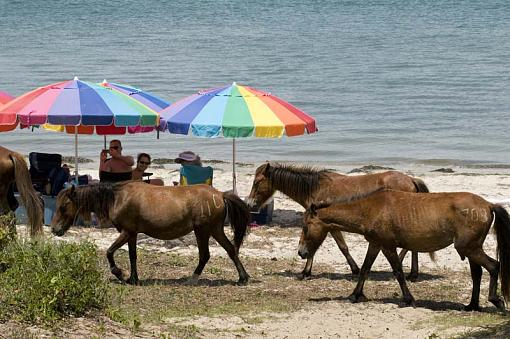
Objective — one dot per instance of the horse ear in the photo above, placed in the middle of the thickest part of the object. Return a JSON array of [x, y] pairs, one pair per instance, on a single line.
[[266, 168], [72, 192]]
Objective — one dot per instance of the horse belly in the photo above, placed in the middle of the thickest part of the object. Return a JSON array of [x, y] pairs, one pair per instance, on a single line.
[[167, 232], [427, 239]]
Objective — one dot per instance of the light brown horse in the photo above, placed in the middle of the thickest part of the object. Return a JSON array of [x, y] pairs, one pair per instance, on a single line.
[[423, 223], [160, 212], [14, 170], [306, 185]]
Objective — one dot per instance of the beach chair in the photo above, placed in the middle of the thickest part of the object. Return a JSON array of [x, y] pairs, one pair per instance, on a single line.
[[42, 168], [105, 176], [194, 175]]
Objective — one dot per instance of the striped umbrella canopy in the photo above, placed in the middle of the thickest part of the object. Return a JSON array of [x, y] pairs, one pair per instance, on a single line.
[[236, 111], [148, 99], [81, 107], [5, 98]]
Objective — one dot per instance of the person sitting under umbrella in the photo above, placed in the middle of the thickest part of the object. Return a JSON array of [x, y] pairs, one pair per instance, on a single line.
[[142, 163], [116, 168], [192, 172]]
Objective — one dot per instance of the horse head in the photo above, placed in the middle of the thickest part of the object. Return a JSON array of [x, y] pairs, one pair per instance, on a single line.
[[313, 234], [66, 211], [262, 189]]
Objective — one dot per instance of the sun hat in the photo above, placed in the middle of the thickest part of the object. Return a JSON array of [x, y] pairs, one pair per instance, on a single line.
[[187, 156]]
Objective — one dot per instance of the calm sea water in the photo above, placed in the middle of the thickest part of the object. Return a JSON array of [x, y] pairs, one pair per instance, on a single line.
[[388, 81]]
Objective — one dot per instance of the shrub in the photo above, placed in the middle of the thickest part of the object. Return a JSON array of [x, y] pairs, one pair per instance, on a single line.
[[7, 229], [46, 281]]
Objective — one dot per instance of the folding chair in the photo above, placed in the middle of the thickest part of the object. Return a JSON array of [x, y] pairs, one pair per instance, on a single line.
[[193, 175]]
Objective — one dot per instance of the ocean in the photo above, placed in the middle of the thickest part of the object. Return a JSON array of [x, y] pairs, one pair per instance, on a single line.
[[389, 82]]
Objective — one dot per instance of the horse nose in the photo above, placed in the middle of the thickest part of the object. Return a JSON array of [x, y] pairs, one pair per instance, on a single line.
[[303, 253], [251, 204]]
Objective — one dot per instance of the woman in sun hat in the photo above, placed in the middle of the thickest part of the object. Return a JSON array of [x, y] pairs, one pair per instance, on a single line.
[[188, 158]]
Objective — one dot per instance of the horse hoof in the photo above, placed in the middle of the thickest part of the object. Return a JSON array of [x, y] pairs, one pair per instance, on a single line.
[[409, 303], [133, 281], [242, 282], [500, 305], [118, 273], [413, 277], [304, 276], [357, 298], [471, 307]]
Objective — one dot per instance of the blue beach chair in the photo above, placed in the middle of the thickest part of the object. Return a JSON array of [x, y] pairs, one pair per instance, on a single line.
[[193, 175]]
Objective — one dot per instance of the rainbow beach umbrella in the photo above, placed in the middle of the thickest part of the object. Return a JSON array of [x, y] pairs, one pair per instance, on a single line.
[[79, 106], [236, 111]]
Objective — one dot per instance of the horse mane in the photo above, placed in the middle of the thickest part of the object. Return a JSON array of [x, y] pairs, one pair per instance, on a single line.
[[97, 198], [297, 181]]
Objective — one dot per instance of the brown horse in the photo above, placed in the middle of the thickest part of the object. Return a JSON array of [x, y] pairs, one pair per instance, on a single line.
[[14, 170], [423, 223], [160, 212], [306, 185]]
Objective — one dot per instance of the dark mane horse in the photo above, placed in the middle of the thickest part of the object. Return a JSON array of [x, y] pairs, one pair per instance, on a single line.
[[424, 223], [160, 212], [306, 185], [14, 170]]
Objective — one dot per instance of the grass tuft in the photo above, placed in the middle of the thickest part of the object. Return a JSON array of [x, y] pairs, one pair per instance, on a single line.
[[47, 281]]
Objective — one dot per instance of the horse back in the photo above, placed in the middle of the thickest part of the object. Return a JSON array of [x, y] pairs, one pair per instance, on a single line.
[[6, 165], [338, 187]]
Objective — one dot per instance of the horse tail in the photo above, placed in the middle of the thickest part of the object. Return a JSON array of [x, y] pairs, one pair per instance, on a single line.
[[420, 185], [502, 227], [239, 215], [29, 196]]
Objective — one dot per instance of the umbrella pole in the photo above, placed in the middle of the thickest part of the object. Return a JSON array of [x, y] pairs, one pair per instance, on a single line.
[[104, 141], [76, 154], [234, 165]]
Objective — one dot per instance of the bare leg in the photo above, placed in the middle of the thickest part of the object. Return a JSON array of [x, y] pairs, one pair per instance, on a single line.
[[203, 252], [339, 238], [133, 278], [392, 256], [372, 252], [476, 276], [118, 243], [222, 239], [492, 266]]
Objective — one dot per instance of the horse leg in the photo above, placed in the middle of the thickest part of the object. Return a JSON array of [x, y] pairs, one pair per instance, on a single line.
[[476, 276], [118, 243], [392, 256], [339, 238], [219, 235], [307, 270], [133, 278], [492, 266], [413, 275], [372, 252], [203, 253]]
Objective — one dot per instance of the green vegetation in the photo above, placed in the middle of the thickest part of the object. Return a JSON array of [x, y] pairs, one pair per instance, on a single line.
[[46, 281]]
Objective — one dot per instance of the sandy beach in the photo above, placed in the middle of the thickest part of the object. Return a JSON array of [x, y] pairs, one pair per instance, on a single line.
[[332, 316]]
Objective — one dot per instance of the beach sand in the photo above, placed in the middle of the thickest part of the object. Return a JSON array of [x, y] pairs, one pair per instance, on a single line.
[[328, 318]]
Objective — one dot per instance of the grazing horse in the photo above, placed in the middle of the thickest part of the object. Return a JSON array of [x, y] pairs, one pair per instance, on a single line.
[[160, 212], [423, 223], [306, 185], [14, 170]]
